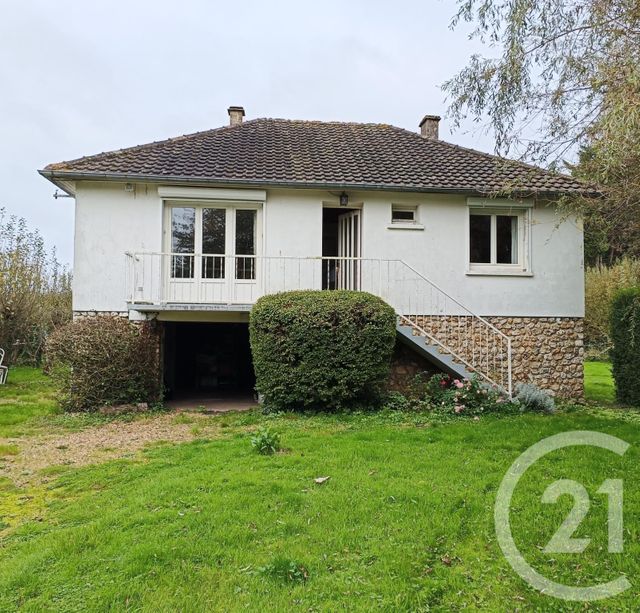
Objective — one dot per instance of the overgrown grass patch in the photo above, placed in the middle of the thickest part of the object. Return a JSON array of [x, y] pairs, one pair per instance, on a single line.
[[28, 394]]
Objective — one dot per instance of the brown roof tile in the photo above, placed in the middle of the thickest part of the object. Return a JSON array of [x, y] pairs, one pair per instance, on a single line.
[[328, 154]]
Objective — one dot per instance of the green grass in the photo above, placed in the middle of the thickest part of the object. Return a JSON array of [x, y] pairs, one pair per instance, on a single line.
[[405, 522], [598, 382], [27, 395]]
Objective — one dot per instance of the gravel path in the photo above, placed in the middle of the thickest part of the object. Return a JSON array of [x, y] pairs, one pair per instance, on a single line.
[[117, 439]]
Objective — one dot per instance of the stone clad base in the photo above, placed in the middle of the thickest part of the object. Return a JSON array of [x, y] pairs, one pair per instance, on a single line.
[[546, 351], [406, 364]]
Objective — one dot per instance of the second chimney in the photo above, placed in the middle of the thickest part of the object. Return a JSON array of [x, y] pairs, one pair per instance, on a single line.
[[429, 126], [236, 113]]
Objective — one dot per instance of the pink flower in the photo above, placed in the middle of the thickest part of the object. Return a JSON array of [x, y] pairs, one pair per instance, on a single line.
[[458, 408], [459, 384]]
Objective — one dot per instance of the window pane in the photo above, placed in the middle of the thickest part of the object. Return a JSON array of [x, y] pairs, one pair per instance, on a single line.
[[245, 232], [406, 216], [213, 242], [183, 235], [245, 244], [183, 230], [507, 239], [213, 230], [480, 239]]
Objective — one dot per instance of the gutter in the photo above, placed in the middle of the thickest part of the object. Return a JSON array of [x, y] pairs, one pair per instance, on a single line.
[[58, 177]]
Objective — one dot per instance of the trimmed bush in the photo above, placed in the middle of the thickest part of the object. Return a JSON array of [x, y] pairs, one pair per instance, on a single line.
[[104, 361], [625, 354], [321, 349]]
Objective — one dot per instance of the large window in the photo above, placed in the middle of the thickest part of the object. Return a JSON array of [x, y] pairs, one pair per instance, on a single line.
[[497, 240], [213, 242]]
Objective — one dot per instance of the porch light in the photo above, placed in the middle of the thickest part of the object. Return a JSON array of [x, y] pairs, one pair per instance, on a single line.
[[344, 199]]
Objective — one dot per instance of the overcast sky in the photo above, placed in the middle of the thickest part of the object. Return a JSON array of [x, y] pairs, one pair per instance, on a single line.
[[78, 78]]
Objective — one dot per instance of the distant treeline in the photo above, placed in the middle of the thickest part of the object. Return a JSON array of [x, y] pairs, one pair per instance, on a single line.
[[35, 291]]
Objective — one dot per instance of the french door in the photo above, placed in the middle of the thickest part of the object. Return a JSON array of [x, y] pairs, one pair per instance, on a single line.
[[212, 253], [349, 247]]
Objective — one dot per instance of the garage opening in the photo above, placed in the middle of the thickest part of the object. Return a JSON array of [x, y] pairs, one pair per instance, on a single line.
[[208, 361]]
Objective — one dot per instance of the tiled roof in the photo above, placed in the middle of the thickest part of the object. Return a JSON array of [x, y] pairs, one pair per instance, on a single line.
[[314, 153]]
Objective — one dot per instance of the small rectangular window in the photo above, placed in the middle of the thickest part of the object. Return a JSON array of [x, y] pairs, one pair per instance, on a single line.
[[403, 214]]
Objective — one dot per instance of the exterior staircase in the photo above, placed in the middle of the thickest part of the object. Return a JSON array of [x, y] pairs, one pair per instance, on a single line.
[[431, 351]]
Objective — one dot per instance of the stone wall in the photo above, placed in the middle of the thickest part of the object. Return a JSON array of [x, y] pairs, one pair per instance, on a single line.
[[546, 351], [405, 365], [85, 314]]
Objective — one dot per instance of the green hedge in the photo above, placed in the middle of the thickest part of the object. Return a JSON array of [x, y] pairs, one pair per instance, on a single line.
[[104, 361], [625, 355], [321, 349]]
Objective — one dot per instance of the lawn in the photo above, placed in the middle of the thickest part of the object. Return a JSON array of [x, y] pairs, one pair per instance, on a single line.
[[28, 394], [598, 382], [405, 522]]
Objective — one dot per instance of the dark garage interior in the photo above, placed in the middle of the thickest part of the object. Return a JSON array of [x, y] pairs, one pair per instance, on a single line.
[[204, 360]]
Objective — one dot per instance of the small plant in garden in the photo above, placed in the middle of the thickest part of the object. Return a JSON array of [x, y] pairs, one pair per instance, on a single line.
[[445, 394], [531, 398], [266, 441], [285, 570], [463, 396]]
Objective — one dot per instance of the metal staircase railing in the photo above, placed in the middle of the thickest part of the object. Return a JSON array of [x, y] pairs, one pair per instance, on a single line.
[[192, 279]]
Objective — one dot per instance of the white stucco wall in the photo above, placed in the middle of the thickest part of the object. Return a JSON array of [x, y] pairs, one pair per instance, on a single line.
[[110, 221]]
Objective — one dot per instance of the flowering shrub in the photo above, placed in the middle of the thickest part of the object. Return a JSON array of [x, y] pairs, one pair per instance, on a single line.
[[463, 396]]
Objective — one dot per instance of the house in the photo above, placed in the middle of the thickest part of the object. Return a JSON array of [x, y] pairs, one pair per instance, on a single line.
[[470, 249]]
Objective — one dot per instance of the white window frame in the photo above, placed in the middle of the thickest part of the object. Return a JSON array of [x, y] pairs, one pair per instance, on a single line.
[[494, 207], [405, 224]]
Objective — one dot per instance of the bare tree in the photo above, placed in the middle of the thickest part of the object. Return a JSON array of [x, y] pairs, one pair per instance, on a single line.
[[35, 290]]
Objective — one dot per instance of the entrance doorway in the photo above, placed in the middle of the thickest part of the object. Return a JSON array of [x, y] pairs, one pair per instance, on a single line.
[[341, 248], [207, 360]]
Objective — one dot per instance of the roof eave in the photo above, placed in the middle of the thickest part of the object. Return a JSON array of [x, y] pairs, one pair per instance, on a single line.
[[66, 184], [59, 177]]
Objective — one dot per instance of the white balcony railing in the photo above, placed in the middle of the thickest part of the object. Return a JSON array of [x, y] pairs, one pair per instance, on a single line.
[[210, 279]]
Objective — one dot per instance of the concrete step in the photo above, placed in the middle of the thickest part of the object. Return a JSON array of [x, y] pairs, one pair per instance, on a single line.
[[421, 345]]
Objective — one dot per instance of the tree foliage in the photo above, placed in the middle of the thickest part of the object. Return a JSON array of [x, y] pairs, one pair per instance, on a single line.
[[35, 291], [602, 283], [563, 86]]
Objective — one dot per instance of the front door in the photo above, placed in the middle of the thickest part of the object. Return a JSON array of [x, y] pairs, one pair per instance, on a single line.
[[348, 268], [212, 254]]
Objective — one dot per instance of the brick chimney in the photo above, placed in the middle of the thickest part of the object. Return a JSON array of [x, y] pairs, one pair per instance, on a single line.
[[429, 126], [236, 113]]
